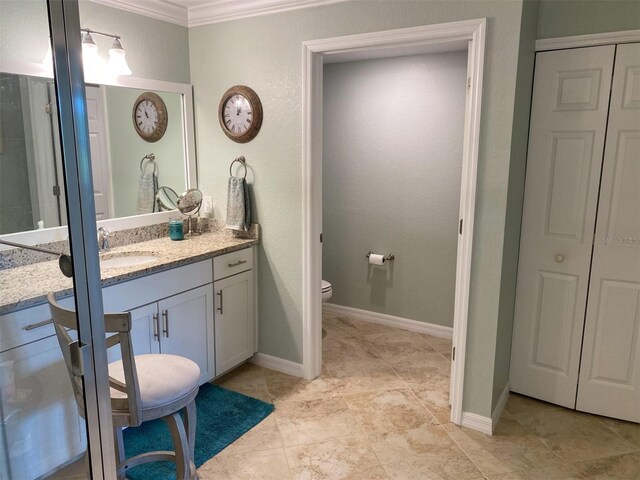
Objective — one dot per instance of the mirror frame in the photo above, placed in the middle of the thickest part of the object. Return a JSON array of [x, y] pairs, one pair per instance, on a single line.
[[52, 234]]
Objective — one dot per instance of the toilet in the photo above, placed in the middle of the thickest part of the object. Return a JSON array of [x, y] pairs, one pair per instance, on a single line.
[[326, 291]]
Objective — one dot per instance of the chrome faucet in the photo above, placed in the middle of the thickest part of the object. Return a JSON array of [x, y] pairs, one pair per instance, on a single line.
[[103, 239]]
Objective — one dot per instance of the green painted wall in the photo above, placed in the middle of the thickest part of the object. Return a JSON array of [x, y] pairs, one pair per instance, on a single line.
[[392, 162], [127, 148], [563, 18], [515, 197], [265, 53], [155, 49]]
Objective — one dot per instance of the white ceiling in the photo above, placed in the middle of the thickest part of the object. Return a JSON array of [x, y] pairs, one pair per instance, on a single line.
[[191, 13]]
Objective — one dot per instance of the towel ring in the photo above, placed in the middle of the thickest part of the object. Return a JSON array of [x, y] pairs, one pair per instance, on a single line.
[[243, 161], [151, 157]]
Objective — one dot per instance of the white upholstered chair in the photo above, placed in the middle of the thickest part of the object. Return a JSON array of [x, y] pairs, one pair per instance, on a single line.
[[143, 387]]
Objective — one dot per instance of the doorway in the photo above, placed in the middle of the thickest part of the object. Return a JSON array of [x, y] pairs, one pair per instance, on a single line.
[[468, 35]]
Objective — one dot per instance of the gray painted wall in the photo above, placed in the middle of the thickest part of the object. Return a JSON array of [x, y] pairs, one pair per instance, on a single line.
[[266, 54], [562, 18], [155, 49], [393, 132]]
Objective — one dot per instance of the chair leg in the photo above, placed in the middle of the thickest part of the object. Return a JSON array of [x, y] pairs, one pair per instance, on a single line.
[[190, 426], [119, 448], [180, 445]]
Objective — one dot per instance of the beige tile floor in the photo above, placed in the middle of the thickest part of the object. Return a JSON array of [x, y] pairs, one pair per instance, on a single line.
[[380, 411]]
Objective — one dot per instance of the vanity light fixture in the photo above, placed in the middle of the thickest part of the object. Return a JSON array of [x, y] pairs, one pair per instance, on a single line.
[[93, 64]]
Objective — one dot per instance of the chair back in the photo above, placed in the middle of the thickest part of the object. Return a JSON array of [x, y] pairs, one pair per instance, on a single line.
[[126, 409]]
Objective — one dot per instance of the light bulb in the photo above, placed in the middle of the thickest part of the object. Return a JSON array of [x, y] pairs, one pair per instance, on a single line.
[[47, 61], [90, 58], [117, 63]]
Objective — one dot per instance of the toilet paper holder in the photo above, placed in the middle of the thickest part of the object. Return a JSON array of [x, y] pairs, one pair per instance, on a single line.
[[391, 256]]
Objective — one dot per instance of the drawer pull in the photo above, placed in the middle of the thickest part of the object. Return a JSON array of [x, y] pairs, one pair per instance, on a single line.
[[33, 326], [220, 307], [239, 262]]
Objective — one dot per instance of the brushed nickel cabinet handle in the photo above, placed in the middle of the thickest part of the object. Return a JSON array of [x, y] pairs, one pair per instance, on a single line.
[[239, 262], [165, 320], [220, 307], [156, 327], [33, 326]]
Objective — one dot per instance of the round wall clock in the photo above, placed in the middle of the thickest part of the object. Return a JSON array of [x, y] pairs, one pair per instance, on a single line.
[[150, 117], [240, 114]]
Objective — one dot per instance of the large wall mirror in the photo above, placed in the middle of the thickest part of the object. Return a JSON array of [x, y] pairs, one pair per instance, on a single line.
[[31, 177]]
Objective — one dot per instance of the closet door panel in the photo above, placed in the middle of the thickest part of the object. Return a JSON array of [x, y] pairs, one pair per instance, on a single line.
[[610, 370], [566, 143]]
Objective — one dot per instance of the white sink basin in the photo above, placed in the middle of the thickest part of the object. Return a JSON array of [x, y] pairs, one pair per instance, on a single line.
[[126, 260]]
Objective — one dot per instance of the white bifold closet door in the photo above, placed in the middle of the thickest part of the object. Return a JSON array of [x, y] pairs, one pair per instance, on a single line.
[[609, 381], [566, 143]]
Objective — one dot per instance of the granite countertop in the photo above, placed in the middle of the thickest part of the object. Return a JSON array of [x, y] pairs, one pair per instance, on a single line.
[[27, 286]]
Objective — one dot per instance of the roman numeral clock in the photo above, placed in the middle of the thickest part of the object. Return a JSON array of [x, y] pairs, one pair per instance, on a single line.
[[150, 117], [240, 113]]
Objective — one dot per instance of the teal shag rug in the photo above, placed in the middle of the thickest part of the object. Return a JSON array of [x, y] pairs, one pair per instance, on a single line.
[[223, 416]]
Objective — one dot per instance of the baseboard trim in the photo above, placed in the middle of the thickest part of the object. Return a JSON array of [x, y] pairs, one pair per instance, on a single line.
[[477, 422], [278, 364], [390, 320], [485, 424], [502, 402]]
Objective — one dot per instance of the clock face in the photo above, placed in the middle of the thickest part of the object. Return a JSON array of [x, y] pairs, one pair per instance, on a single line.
[[150, 117], [240, 113], [237, 114], [146, 117]]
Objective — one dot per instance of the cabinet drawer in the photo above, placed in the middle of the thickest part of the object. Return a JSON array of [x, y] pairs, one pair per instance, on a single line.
[[24, 326], [142, 291], [232, 263]]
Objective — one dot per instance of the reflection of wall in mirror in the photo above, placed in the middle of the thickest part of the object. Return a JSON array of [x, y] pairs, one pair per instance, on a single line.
[[15, 201], [127, 148], [27, 160]]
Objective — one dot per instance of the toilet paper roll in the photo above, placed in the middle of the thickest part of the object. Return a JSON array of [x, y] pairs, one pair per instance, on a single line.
[[376, 259]]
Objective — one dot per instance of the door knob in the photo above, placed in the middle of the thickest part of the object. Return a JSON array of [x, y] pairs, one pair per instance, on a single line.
[[559, 258]]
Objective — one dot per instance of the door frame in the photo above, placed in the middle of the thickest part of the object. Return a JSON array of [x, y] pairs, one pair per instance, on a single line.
[[468, 34], [64, 24]]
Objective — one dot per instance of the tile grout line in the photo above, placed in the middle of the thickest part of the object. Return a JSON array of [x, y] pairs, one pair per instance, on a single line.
[[464, 451], [595, 417], [542, 441]]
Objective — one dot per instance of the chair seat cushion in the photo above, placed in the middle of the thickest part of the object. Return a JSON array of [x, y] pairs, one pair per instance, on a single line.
[[162, 378]]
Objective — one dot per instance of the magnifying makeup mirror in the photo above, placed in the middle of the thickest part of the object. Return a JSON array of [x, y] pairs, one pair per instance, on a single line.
[[189, 204], [167, 199]]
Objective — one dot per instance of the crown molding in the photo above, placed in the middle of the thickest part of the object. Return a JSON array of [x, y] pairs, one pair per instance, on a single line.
[[213, 11], [590, 40], [217, 11], [159, 9]]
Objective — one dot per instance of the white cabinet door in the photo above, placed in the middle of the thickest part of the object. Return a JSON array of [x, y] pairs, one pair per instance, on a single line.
[[568, 121], [145, 333], [610, 370], [186, 323], [234, 321], [40, 420]]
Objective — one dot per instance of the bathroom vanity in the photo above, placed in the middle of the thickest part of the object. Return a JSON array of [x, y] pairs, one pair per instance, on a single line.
[[196, 299]]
